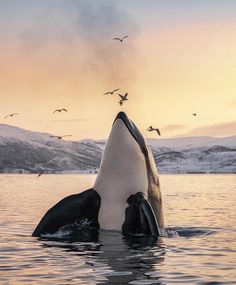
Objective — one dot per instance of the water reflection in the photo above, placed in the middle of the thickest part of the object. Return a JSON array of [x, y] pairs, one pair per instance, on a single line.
[[114, 259], [199, 246]]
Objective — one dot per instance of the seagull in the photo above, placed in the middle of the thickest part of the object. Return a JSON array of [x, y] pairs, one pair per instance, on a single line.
[[11, 115], [40, 173], [194, 114], [121, 102], [60, 137], [111, 92], [60, 110], [120, 39], [124, 97], [150, 129]]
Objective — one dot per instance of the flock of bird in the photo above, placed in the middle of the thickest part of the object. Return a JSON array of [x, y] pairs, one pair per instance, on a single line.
[[123, 98], [57, 110], [121, 101]]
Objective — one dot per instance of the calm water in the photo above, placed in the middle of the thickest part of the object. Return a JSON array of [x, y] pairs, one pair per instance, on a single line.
[[201, 248]]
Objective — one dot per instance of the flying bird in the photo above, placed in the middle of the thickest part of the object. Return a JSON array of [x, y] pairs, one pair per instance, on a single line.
[[40, 173], [194, 114], [124, 97], [120, 39], [111, 92], [150, 129], [60, 137], [60, 110], [10, 115]]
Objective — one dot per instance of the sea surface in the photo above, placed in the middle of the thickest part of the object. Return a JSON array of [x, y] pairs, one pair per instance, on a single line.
[[199, 247]]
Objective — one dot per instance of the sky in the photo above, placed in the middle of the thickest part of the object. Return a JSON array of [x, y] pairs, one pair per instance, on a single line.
[[179, 59]]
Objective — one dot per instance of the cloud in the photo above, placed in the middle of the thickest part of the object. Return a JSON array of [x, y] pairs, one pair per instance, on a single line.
[[220, 129], [68, 120], [74, 38], [173, 127]]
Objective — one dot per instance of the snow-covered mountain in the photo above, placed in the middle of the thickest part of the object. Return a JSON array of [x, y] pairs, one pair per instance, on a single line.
[[27, 151]]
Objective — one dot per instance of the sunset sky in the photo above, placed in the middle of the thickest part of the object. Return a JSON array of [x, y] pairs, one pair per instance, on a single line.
[[179, 59]]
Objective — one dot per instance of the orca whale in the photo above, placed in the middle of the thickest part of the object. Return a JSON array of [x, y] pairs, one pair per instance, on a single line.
[[126, 195]]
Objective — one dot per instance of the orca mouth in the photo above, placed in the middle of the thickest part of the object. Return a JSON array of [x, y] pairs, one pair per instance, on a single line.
[[134, 131]]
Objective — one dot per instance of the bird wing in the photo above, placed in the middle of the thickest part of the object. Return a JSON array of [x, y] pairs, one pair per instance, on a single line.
[[115, 90], [66, 136], [124, 37], [121, 96], [117, 39], [65, 110], [107, 93], [6, 116], [125, 96], [158, 131], [57, 110]]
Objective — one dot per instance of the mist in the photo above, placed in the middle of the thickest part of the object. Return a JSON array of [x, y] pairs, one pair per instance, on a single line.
[[73, 40]]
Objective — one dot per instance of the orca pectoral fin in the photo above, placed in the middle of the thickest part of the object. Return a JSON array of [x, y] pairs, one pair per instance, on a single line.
[[74, 209], [139, 217], [151, 218]]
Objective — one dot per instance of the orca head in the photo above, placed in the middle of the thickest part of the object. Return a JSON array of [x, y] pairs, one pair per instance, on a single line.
[[123, 171]]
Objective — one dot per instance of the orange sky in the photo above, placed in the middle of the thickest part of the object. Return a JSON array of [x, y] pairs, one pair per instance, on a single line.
[[66, 58]]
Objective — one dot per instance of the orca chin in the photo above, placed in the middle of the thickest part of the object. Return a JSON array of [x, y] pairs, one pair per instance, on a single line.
[[126, 195]]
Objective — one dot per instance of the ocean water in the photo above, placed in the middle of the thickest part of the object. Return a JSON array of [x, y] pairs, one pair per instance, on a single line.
[[200, 246]]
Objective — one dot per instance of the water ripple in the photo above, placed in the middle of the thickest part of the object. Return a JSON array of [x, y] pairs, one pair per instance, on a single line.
[[200, 247]]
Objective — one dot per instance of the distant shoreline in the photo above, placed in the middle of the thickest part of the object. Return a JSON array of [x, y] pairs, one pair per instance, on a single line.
[[95, 173]]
